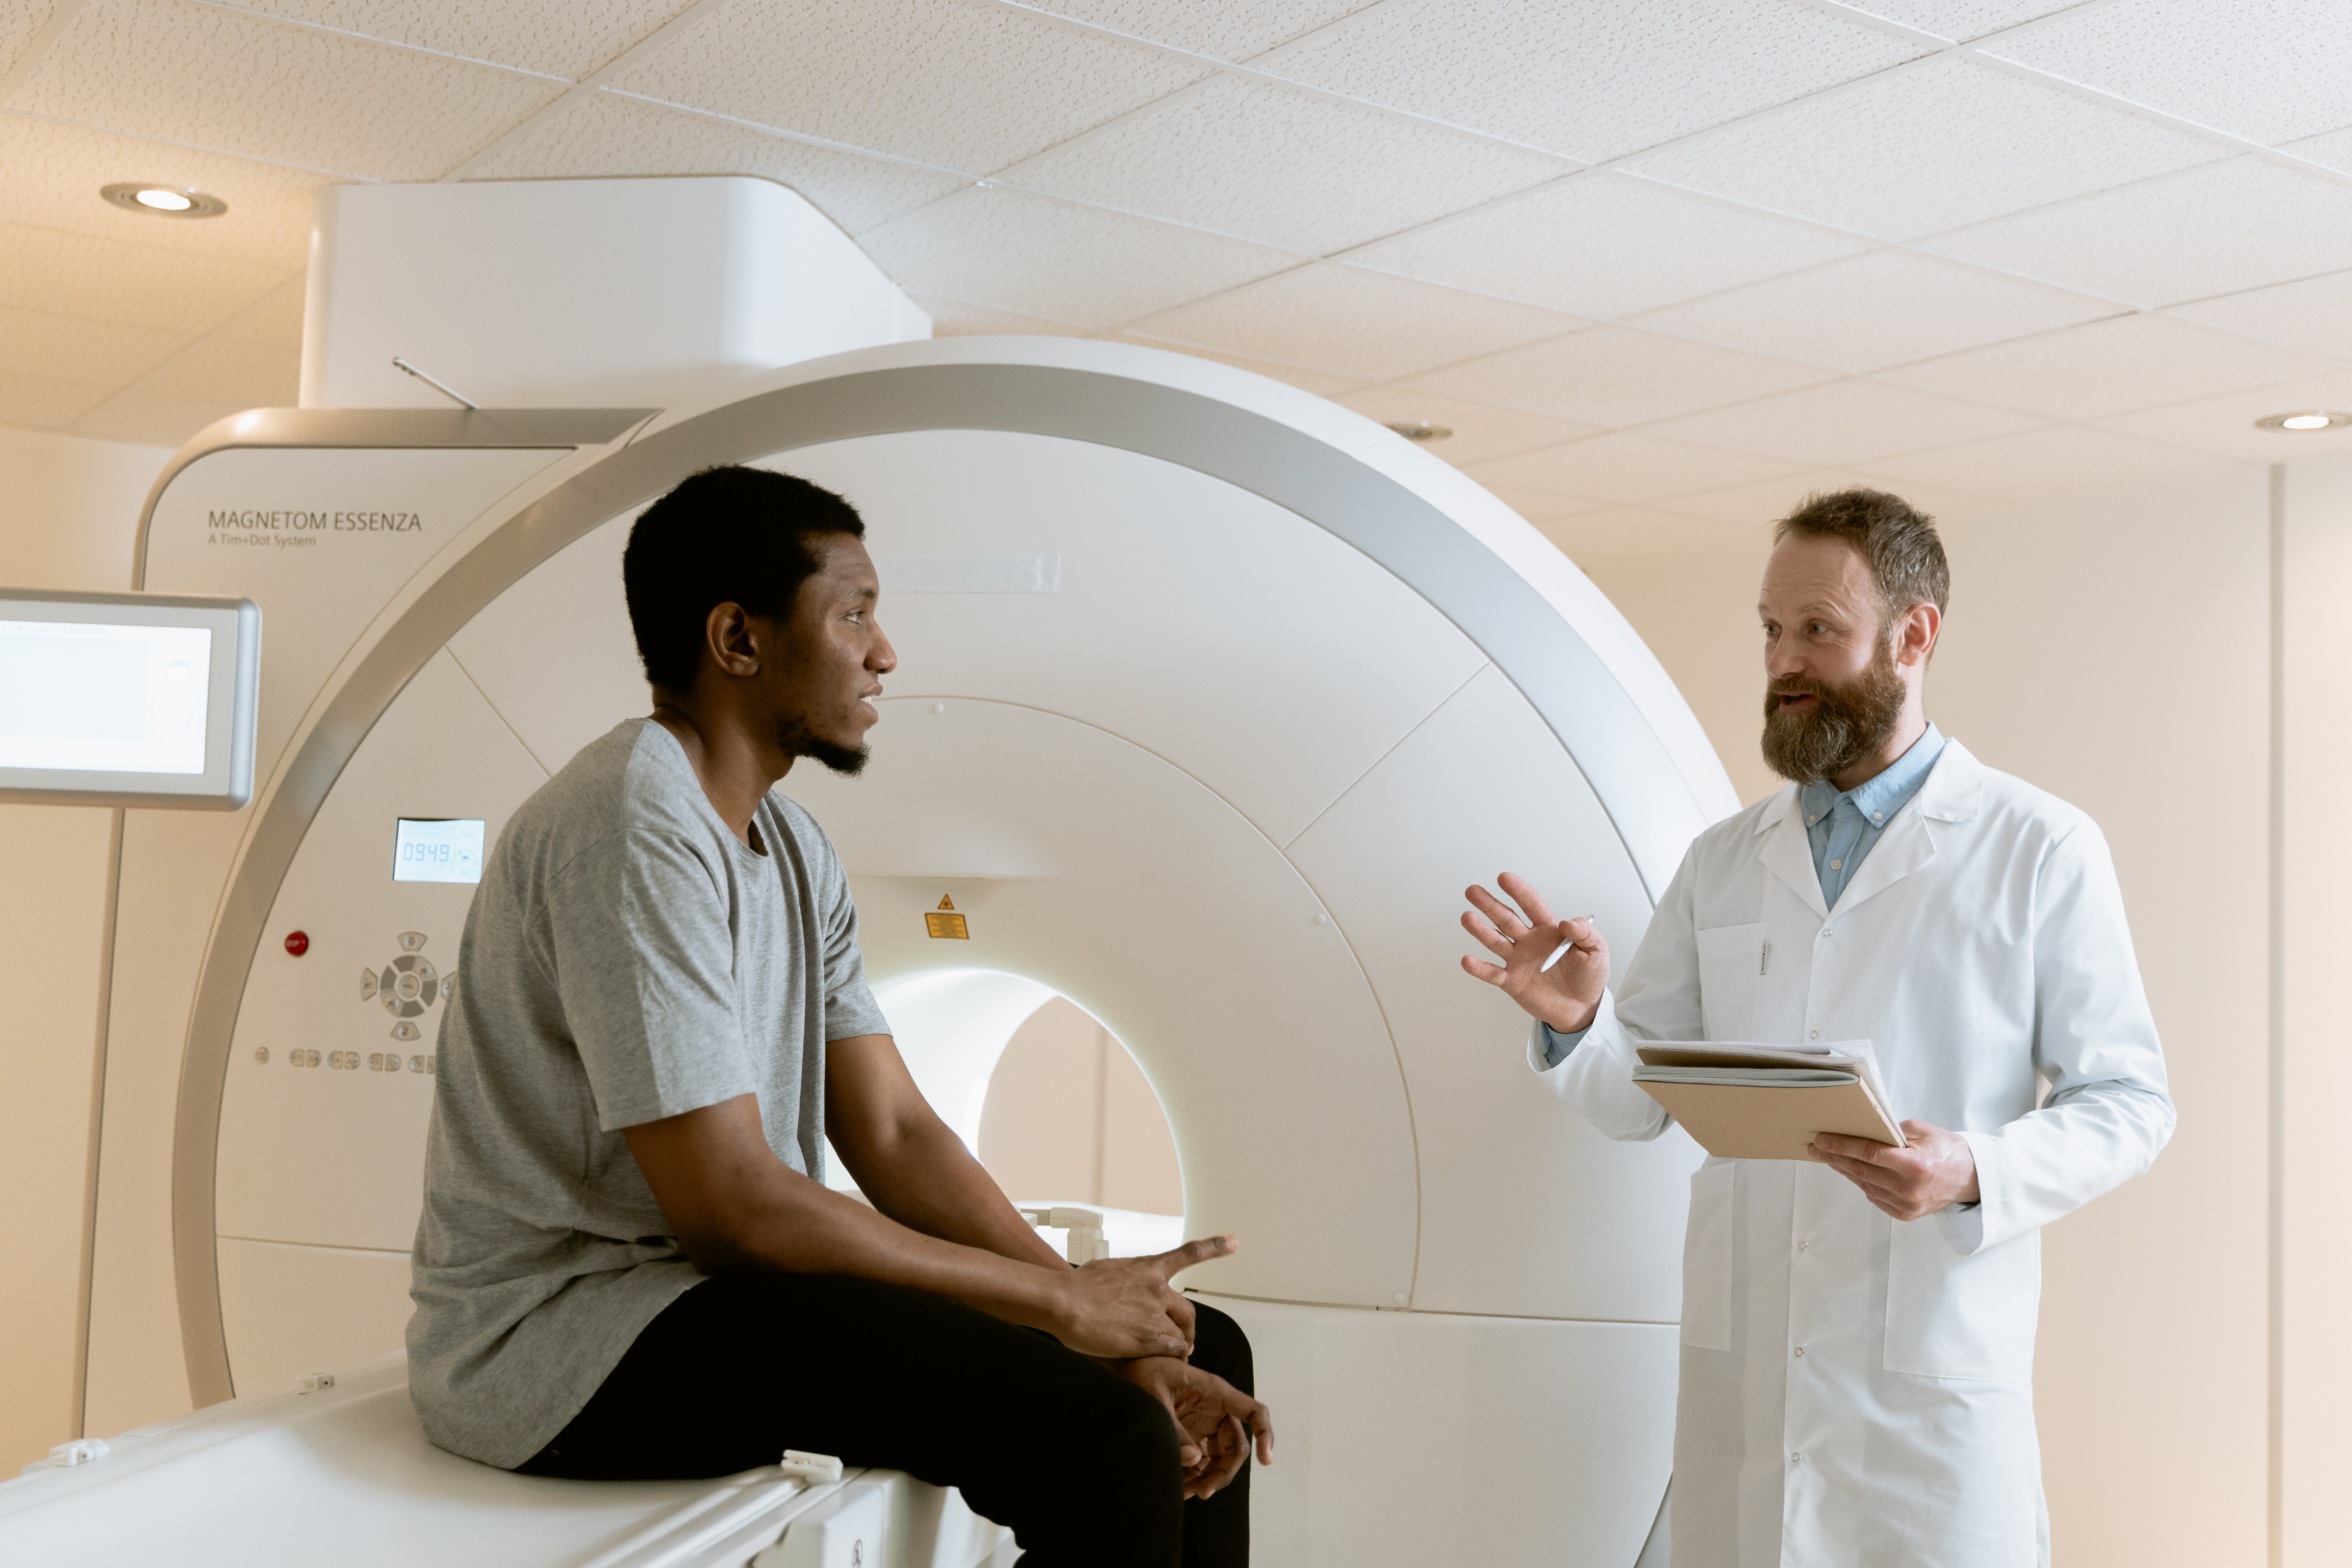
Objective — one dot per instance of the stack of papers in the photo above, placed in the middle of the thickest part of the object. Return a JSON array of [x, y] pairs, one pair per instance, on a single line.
[[1748, 1102]]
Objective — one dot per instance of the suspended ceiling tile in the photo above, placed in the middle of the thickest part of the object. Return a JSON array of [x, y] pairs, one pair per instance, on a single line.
[[69, 348], [954, 319], [54, 173], [1057, 259], [45, 402], [1888, 308], [20, 22], [1960, 20], [1768, 500], [2056, 461], [568, 40], [153, 421], [1480, 430], [606, 133], [1845, 422], [966, 86], [1605, 246], [261, 89], [1637, 533], [1346, 321], [1626, 468], [1273, 165], [1540, 509], [2314, 314], [1593, 81], [1615, 376], [1228, 29], [218, 370], [1919, 151], [2332, 151], [2255, 223], [138, 285], [1315, 381], [2265, 69], [2109, 367], [274, 321], [2225, 424]]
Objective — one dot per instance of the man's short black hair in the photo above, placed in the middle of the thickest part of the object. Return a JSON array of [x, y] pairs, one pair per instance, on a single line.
[[726, 535]]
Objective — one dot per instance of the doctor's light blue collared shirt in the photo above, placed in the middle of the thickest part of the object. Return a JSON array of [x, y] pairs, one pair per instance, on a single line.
[[1842, 826]]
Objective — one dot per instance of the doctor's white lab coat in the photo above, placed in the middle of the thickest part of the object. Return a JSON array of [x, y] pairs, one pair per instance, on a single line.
[[1856, 1392]]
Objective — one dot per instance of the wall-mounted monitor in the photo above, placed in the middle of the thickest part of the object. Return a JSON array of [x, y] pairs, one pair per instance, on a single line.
[[128, 698]]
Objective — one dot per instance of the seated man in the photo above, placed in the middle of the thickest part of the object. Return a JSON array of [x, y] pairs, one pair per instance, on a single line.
[[629, 1265]]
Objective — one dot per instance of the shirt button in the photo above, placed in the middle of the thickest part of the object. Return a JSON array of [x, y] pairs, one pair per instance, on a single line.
[[1814, 1036], [1837, 865], [1803, 1244], [1877, 817], [1801, 1350], [1796, 1458]]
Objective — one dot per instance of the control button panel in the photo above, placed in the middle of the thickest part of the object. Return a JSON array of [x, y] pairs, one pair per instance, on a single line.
[[408, 986]]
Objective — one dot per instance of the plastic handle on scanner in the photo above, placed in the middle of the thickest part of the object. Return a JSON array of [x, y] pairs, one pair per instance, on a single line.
[[1087, 1240], [80, 1451], [815, 1468]]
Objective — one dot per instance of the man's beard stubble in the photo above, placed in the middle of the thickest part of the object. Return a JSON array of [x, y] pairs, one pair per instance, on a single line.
[[1845, 724], [794, 739]]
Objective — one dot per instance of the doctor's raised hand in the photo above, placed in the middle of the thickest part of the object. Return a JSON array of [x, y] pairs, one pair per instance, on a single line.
[[1566, 995]]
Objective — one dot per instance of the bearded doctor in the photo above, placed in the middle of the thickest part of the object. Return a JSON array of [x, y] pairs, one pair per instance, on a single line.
[[1857, 1330]]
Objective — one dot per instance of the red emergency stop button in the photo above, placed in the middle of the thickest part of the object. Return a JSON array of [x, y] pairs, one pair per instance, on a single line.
[[298, 942]]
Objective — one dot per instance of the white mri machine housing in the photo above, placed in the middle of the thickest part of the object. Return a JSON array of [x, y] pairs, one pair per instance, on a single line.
[[1212, 696]]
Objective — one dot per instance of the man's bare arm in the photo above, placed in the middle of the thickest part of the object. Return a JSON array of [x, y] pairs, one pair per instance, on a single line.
[[734, 1206], [909, 1162]]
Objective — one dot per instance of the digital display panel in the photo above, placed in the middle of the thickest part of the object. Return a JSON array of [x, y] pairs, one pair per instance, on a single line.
[[99, 697], [438, 850]]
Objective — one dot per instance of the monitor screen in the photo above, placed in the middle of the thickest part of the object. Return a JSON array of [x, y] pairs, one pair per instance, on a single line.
[[115, 698], [438, 850], [128, 698]]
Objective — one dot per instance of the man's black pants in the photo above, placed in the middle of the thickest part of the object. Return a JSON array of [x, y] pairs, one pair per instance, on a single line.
[[1080, 1464]]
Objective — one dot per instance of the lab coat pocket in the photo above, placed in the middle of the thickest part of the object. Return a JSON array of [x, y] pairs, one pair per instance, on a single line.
[[1707, 1258], [1730, 973], [1954, 1316]]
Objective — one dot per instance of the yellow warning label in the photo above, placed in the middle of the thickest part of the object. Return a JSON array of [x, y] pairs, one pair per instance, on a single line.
[[947, 926], [946, 902]]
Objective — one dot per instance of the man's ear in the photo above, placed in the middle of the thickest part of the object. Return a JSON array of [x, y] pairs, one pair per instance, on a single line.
[[728, 637], [1915, 643]]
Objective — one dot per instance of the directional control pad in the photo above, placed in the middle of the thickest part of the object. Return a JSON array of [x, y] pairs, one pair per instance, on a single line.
[[407, 986]]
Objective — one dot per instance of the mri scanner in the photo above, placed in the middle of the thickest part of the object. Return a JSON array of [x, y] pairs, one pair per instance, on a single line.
[[1212, 696]]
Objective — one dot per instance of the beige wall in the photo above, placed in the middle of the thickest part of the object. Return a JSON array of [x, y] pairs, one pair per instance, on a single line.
[[2314, 1370], [1069, 1116], [68, 509], [2116, 650]]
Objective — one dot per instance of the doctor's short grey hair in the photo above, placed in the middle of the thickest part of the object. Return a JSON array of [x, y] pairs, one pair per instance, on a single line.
[[1896, 540]]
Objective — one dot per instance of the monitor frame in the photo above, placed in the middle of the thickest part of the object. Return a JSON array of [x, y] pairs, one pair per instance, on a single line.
[[231, 712]]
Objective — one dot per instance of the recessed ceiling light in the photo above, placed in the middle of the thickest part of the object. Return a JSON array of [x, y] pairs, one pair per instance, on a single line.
[[164, 201], [2311, 419], [1421, 430]]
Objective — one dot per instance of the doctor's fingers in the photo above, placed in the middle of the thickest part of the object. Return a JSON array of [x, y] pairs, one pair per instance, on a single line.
[[1522, 892], [1492, 973], [1501, 944], [1505, 919]]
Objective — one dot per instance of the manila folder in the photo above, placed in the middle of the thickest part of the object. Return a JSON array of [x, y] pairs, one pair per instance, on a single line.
[[1740, 1108]]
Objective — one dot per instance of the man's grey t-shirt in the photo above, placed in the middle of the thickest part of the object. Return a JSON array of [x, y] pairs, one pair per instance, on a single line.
[[627, 958]]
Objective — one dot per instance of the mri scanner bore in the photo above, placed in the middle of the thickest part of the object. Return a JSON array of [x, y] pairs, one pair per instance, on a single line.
[[1214, 833]]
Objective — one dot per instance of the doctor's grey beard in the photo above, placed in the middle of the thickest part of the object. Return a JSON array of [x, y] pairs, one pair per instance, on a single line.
[[1847, 723]]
